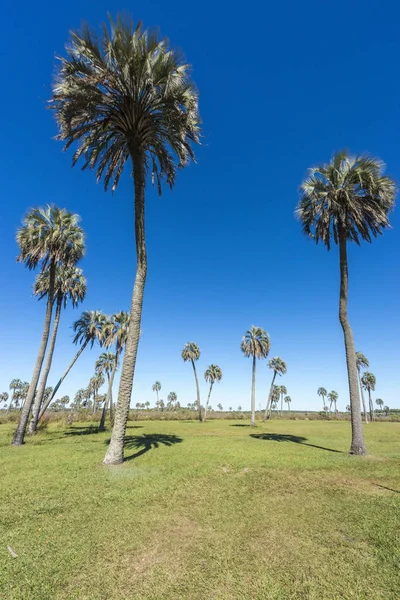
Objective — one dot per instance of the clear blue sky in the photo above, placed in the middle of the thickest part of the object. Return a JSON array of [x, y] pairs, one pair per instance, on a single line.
[[282, 86]]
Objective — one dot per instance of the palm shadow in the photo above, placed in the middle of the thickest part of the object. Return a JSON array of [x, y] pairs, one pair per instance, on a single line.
[[88, 430], [241, 425], [144, 443], [386, 488], [285, 437]]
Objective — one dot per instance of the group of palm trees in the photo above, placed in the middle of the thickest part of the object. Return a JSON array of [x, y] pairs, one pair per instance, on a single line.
[[126, 96]]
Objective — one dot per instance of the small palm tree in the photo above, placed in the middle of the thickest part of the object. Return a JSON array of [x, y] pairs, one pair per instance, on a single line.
[[279, 368], [348, 199], [220, 407], [368, 382], [116, 333], [4, 397], [255, 343], [127, 97], [213, 374], [95, 384], [288, 400], [49, 237], [70, 284], [172, 398], [332, 397], [323, 393], [156, 388], [106, 363], [191, 353], [282, 391], [14, 386], [379, 402], [362, 362], [88, 329]]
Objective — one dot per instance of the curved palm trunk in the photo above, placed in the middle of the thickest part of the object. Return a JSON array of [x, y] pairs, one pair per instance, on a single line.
[[357, 440], [46, 404], [208, 400], [253, 393], [19, 434], [42, 385], [115, 451], [197, 391], [267, 408], [362, 396]]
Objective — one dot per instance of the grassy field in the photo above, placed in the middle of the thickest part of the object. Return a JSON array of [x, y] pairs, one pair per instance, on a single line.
[[214, 511]]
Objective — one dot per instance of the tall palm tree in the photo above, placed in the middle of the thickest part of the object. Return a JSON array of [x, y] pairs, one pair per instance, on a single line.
[[14, 387], [368, 381], [282, 391], [49, 236], [288, 401], [172, 398], [379, 402], [332, 397], [106, 363], [70, 284], [79, 397], [279, 368], [362, 362], [89, 328], [156, 388], [191, 352], [348, 199], [323, 393], [116, 334], [127, 97], [213, 374], [255, 343]]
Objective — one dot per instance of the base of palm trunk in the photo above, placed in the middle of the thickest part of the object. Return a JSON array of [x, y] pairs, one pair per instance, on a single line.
[[358, 450], [113, 460]]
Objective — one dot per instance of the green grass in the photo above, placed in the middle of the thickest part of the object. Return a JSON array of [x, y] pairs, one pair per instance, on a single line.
[[210, 514]]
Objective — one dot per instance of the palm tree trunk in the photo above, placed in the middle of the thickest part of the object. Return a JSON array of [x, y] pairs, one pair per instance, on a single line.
[[19, 434], [42, 385], [281, 404], [253, 393], [46, 404], [115, 451], [357, 441], [109, 396], [362, 396], [371, 407], [197, 391], [208, 400], [269, 397]]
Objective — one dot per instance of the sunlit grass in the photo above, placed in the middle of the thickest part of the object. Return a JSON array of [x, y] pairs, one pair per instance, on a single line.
[[202, 511]]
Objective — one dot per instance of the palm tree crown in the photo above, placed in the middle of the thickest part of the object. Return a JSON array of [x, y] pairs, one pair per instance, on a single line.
[[190, 351], [105, 363], [156, 386], [278, 365], [128, 93], [256, 342], [50, 235], [89, 327], [361, 361], [116, 331], [333, 396], [213, 374], [70, 284], [349, 194], [368, 381], [322, 392]]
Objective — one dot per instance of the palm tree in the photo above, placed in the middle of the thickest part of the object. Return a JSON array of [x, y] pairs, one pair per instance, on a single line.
[[368, 382], [49, 236], [116, 333], [95, 384], [172, 398], [191, 352], [156, 388], [79, 397], [348, 199], [379, 402], [64, 401], [279, 368], [362, 362], [70, 284], [288, 400], [213, 374], [255, 343], [106, 363], [14, 387], [322, 392], [332, 397], [4, 397], [21, 394], [220, 407], [282, 391], [127, 97], [89, 328]]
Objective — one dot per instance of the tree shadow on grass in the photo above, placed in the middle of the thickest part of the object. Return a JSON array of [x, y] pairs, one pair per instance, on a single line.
[[144, 443], [90, 429], [285, 437], [241, 425], [386, 488]]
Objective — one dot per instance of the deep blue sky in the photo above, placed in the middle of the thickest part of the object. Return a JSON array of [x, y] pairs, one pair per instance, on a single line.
[[282, 86]]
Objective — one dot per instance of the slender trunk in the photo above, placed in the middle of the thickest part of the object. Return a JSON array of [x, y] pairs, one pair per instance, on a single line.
[[208, 400], [197, 391], [281, 404], [42, 385], [115, 451], [362, 396], [54, 392], [157, 398], [94, 402], [357, 441], [253, 393], [109, 397], [19, 434], [269, 397], [11, 403], [371, 407]]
